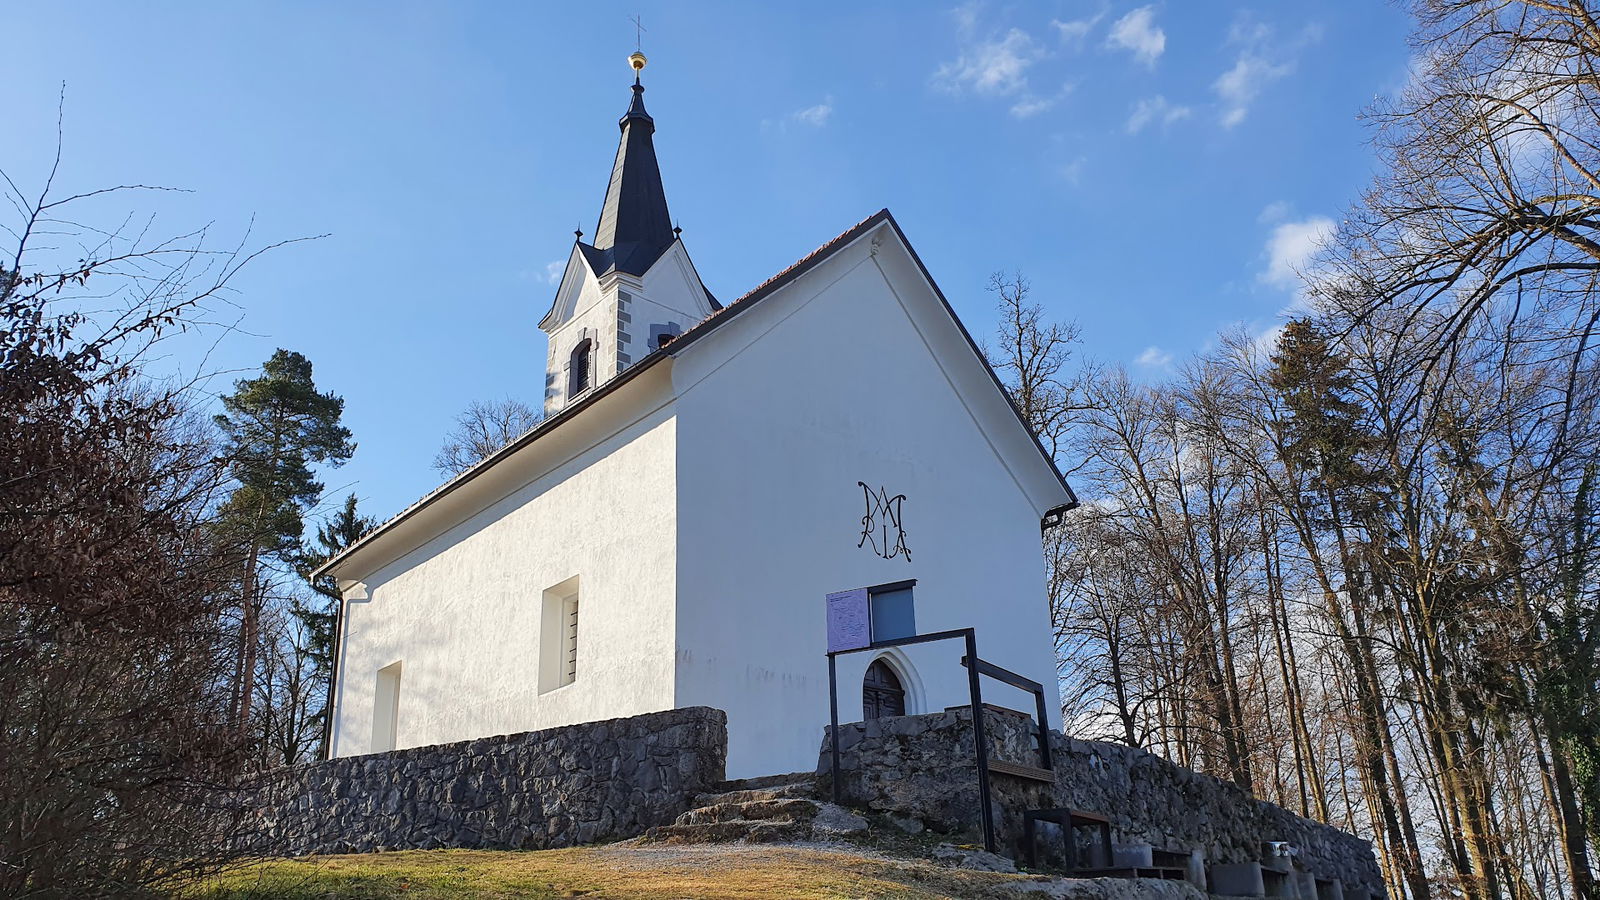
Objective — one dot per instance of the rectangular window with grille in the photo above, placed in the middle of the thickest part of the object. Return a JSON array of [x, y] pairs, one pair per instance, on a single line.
[[569, 637], [558, 636]]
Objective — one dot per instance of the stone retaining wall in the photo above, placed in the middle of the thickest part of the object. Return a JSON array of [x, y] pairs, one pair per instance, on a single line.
[[924, 766], [578, 784]]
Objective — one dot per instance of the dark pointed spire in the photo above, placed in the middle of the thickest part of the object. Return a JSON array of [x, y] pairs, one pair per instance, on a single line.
[[636, 109], [634, 223]]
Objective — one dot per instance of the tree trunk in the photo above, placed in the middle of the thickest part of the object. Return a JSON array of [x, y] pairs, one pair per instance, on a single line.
[[248, 635]]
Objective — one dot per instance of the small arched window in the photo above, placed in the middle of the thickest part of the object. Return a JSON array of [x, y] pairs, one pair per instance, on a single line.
[[881, 692], [580, 368]]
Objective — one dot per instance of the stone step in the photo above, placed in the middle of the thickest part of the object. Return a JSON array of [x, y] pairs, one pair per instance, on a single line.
[[749, 831], [784, 809], [805, 790], [767, 781]]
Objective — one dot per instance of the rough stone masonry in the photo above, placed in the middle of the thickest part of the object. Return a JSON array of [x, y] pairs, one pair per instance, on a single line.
[[616, 778], [924, 766], [577, 784]]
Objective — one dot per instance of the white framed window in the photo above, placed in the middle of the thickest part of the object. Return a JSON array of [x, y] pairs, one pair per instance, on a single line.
[[386, 709], [560, 631]]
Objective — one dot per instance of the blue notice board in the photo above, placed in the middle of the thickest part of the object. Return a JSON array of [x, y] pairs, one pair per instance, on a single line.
[[893, 614], [849, 620]]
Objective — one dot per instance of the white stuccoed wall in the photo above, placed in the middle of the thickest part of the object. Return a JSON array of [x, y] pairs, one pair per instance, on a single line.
[[462, 611], [781, 412]]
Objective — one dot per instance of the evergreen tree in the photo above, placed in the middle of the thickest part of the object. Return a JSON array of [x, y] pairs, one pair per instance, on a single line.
[[1316, 384], [277, 426], [1569, 691], [1324, 437], [320, 614]]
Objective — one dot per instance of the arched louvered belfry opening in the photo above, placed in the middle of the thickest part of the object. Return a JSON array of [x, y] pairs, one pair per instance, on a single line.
[[881, 692], [580, 370]]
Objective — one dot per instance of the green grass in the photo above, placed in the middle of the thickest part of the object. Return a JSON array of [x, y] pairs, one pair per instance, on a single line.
[[617, 871]]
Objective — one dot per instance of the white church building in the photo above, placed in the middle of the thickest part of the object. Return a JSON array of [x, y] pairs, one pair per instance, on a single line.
[[705, 475]]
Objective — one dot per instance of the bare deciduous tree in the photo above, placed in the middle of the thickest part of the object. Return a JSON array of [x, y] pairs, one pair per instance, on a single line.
[[114, 642], [1356, 588], [1032, 359], [481, 429]]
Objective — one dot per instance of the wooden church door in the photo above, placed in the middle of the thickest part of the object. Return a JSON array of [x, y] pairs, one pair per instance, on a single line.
[[881, 693]]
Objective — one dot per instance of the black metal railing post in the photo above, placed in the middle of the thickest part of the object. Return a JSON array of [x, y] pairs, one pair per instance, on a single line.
[[980, 738], [1044, 733], [833, 716]]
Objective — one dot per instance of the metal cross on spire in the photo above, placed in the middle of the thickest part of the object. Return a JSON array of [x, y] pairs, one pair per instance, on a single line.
[[636, 58]]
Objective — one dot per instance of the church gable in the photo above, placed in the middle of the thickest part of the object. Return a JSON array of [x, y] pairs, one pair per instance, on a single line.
[[669, 301], [878, 241], [578, 288]]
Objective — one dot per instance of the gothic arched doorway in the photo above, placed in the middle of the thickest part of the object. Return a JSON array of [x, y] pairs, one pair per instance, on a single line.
[[881, 692]]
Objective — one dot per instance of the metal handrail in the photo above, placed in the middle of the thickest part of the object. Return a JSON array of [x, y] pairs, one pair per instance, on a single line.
[[979, 731]]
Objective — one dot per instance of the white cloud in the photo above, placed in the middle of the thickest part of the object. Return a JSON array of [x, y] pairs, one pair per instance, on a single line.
[[1246, 30], [1154, 111], [1030, 105], [807, 117], [1263, 58], [1239, 86], [1273, 212], [966, 15], [996, 66], [554, 269], [1291, 247], [1138, 33], [815, 116], [1072, 171], [1072, 33], [1154, 357]]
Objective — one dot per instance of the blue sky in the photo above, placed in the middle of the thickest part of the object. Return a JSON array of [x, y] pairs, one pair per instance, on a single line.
[[1157, 171]]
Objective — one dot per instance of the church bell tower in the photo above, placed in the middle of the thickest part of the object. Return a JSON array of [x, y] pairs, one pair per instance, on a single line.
[[632, 290]]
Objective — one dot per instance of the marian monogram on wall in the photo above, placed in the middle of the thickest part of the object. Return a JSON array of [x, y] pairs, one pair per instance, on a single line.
[[882, 526]]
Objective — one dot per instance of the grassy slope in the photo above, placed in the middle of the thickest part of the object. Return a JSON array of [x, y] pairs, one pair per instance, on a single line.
[[637, 873]]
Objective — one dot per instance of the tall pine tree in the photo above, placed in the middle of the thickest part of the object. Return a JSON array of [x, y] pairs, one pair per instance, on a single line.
[[278, 425]]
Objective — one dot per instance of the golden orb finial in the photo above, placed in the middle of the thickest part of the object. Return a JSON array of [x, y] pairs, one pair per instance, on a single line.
[[637, 60]]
